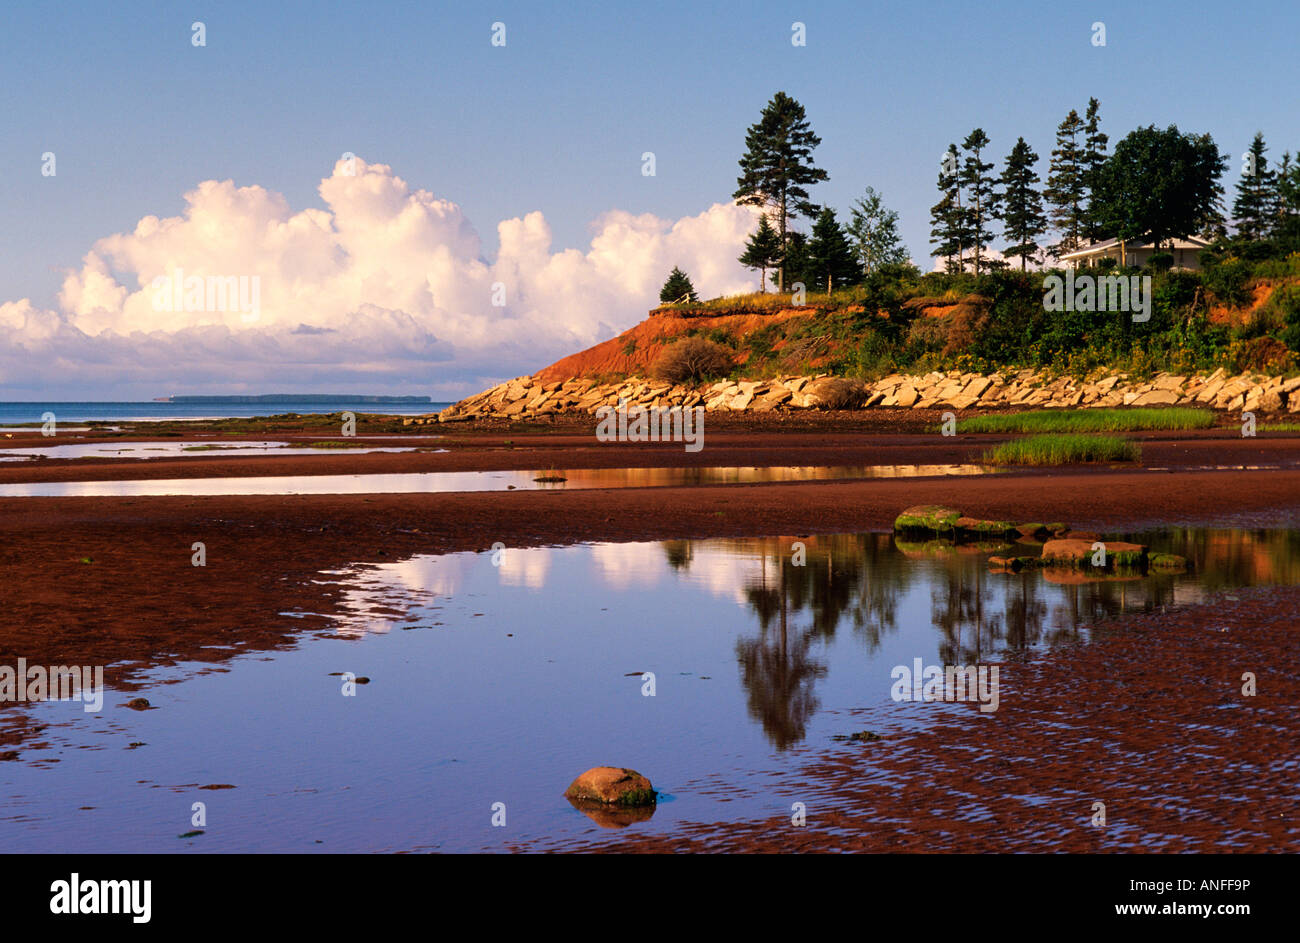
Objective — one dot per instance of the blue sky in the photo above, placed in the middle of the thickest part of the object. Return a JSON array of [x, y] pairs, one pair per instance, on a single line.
[[557, 120]]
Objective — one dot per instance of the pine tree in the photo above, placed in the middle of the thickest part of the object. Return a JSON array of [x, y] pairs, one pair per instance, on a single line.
[[874, 230], [762, 251], [677, 288], [982, 199], [947, 222], [777, 166], [1288, 196], [830, 257], [1255, 207], [1066, 185], [1022, 217], [795, 259], [1091, 160]]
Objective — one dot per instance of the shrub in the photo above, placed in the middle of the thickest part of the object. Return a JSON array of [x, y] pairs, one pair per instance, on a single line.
[[1161, 261], [692, 359], [1285, 301], [1226, 281], [1260, 355], [839, 393]]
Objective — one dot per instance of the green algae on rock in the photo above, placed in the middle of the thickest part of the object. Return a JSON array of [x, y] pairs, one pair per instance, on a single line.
[[934, 518]]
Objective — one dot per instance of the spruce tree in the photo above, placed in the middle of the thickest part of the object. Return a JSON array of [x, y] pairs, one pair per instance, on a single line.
[[1255, 207], [677, 288], [946, 216], [777, 167], [1022, 217], [1066, 185], [982, 205], [874, 230], [762, 251], [1091, 159], [1288, 196], [830, 258]]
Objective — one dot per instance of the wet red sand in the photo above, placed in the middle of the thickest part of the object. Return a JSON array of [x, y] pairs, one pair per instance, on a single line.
[[1149, 719], [1110, 721]]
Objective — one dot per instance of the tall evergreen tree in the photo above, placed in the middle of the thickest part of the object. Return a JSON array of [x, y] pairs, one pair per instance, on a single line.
[[874, 231], [763, 250], [982, 206], [830, 257], [1022, 215], [946, 218], [677, 288], [1288, 196], [1066, 185], [1255, 207], [1091, 159], [777, 166]]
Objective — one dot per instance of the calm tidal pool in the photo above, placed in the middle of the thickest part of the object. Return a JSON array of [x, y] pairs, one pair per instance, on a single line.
[[500, 677]]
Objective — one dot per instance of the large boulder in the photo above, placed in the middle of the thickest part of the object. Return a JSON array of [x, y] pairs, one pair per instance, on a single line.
[[1071, 551], [612, 785]]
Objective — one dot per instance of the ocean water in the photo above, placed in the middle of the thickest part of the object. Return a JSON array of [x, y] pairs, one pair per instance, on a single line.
[[25, 412]]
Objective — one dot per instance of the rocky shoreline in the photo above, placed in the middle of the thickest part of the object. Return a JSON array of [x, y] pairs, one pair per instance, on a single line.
[[529, 398]]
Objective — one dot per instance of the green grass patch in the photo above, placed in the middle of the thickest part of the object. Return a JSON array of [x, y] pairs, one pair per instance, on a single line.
[[335, 444], [1063, 450], [1280, 427], [1091, 420]]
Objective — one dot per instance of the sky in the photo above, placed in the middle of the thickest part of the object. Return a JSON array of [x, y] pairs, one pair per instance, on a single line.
[[506, 173]]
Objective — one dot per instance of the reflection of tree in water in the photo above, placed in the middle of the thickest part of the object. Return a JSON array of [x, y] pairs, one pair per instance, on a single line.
[[857, 578], [776, 668], [862, 579], [960, 608], [1024, 612], [680, 553]]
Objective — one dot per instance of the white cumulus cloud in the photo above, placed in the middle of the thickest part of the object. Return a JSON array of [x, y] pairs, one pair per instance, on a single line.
[[385, 289]]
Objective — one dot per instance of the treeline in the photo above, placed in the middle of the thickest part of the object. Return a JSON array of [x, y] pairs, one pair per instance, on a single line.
[[1157, 185]]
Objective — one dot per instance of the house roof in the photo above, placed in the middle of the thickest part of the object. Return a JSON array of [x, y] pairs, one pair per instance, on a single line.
[[1096, 248]]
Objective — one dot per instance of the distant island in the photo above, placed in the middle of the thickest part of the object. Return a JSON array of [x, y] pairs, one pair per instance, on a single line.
[[305, 398]]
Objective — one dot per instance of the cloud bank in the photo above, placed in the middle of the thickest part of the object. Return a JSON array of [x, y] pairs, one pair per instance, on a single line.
[[385, 290]]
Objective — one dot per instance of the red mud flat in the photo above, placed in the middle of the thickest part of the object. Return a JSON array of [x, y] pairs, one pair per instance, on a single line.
[[1149, 719], [805, 442], [1103, 722]]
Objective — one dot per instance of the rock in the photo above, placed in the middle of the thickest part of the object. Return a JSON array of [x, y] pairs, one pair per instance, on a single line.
[[1168, 561], [929, 517], [1076, 552], [1157, 398], [1031, 530], [975, 527], [612, 785]]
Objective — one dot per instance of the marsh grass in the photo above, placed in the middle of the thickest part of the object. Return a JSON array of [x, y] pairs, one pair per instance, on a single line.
[[1091, 420], [1063, 450]]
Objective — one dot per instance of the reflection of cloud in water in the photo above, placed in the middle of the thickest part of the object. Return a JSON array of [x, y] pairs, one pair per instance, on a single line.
[[524, 567], [724, 569]]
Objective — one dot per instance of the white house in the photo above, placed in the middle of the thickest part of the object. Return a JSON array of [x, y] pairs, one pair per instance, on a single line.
[[1186, 253]]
